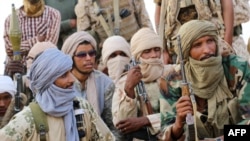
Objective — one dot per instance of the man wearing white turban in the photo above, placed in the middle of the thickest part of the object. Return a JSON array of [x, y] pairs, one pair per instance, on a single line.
[[91, 84], [52, 83], [146, 48], [7, 94], [115, 56], [220, 85]]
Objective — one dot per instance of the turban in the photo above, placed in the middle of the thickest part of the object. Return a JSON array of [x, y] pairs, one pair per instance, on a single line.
[[38, 48], [71, 43], [47, 67], [7, 85], [193, 30], [113, 44], [143, 39]]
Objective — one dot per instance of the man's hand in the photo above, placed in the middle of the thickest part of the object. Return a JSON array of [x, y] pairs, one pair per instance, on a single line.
[[13, 67], [41, 38], [133, 78], [132, 124], [72, 23], [183, 106]]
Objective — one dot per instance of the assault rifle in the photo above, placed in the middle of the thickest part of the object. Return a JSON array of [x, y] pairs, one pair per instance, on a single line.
[[146, 107], [192, 133], [18, 78]]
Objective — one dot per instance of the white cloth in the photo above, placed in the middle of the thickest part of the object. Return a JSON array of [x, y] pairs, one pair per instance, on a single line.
[[113, 44], [7, 85], [116, 66]]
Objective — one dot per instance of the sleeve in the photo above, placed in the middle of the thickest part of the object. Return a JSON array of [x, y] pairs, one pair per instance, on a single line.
[[20, 127], [96, 129], [142, 14], [107, 116], [53, 29], [237, 71], [155, 121], [123, 106], [243, 88], [83, 21]]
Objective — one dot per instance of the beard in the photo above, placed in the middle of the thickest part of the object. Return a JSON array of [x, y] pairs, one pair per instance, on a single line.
[[83, 72]]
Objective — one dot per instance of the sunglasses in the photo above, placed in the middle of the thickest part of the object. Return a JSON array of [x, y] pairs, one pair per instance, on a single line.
[[83, 54]]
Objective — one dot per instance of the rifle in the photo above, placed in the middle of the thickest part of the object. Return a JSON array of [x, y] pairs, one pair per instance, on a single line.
[[15, 39], [18, 78], [186, 90], [146, 107], [79, 113]]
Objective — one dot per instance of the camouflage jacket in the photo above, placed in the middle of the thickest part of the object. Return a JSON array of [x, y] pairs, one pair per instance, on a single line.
[[237, 73], [22, 127]]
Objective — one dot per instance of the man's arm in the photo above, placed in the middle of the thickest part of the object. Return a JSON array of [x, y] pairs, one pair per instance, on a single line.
[[228, 17], [142, 14], [83, 21], [53, 29], [157, 13]]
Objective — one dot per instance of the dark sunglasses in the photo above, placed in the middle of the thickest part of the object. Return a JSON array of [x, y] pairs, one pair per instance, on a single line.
[[83, 54]]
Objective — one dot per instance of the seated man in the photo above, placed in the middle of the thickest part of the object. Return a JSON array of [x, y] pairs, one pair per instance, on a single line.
[[115, 56], [220, 85], [7, 101], [52, 84], [137, 110], [38, 48]]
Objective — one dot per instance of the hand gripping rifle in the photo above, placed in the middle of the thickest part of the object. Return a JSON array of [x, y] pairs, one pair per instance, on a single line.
[[146, 107], [186, 90], [15, 39]]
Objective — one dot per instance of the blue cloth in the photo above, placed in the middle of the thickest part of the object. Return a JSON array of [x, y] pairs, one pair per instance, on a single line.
[[53, 100]]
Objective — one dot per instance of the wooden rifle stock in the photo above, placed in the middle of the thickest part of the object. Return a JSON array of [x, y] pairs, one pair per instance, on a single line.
[[186, 91]]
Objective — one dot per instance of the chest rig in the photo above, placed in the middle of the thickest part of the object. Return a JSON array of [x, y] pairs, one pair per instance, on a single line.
[[115, 18], [178, 12]]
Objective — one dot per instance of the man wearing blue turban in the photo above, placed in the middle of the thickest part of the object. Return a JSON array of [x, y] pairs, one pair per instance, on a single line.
[[52, 84]]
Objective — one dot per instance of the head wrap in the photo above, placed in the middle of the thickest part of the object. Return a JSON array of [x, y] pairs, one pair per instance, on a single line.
[[193, 30], [113, 44], [7, 85], [47, 67], [207, 76], [53, 100], [143, 39], [71, 43], [36, 49], [116, 65], [34, 8]]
